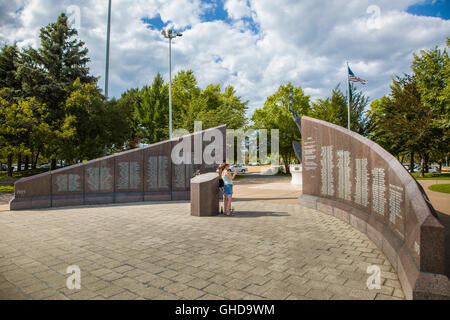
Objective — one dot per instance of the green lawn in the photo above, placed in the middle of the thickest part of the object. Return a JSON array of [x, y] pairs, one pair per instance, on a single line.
[[445, 188], [432, 176], [6, 189]]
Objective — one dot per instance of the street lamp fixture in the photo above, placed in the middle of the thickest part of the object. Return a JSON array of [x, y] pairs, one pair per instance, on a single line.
[[170, 34]]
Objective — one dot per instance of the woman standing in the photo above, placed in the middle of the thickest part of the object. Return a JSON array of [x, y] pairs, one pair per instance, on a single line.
[[228, 188], [221, 185]]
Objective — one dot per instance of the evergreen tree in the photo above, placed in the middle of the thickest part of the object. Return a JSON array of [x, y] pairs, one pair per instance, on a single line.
[[9, 56], [334, 109], [49, 72]]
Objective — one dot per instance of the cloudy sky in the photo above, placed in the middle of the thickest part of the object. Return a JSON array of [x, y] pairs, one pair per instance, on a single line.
[[254, 45]]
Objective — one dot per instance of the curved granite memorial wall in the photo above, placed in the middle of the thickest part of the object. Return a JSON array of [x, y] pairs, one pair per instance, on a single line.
[[144, 174], [354, 179]]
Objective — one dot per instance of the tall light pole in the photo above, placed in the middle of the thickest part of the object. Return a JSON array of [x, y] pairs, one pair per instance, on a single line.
[[348, 99], [170, 34], [108, 35]]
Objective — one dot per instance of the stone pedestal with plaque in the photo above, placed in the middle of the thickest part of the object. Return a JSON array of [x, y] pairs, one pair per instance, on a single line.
[[205, 195]]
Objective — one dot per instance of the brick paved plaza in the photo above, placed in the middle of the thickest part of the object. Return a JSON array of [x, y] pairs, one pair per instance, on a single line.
[[158, 251]]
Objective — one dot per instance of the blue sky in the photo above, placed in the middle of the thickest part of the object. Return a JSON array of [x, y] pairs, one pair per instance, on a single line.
[[252, 45], [431, 8]]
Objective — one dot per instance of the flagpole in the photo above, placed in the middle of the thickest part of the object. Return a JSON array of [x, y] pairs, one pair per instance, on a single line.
[[348, 97]]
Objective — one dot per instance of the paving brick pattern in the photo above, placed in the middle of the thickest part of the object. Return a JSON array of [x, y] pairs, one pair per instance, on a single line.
[[158, 251]]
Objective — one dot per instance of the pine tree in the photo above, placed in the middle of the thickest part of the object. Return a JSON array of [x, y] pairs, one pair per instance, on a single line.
[[9, 56], [334, 109], [49, 72]]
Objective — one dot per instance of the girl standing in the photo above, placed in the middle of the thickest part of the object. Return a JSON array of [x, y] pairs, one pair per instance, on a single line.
[[228, 188]]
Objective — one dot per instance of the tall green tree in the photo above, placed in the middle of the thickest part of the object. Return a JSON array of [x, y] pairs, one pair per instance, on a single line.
[[210, 105], [152, 111], [127, 105], [358, 104], [401, 123], [20, 122], [334, 109], [90, 124], [377, 129], [432, 74], [9, 57], [222, 108], [186, 100], [49, 72], [275, 115]]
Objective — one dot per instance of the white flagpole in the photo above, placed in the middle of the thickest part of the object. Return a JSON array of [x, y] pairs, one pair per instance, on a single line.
[[348, 98]]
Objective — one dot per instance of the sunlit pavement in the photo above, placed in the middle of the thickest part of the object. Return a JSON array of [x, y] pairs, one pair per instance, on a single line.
[[269, 250]]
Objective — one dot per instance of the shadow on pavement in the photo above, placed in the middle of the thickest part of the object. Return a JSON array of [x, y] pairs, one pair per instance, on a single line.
[[262, 199], [257, 214]]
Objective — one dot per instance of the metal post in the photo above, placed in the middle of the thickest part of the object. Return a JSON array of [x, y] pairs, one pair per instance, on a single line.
[[170, 34], [348, 99], [108, 34], [170, 88]]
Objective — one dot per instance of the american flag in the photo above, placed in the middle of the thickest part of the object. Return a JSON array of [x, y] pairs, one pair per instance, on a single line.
[[353, 78]]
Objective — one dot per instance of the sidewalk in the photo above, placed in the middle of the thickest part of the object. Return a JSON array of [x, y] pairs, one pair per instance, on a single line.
[[158, 251], [439, 200], [273, 189]]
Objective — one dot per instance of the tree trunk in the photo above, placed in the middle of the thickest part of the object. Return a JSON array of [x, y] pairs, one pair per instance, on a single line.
[[10, 168], [286, 164], [19, 162], [35, 160], [426, 163], [422, 169], [27, 162], [440, 167], [411, 164], [53, 167]]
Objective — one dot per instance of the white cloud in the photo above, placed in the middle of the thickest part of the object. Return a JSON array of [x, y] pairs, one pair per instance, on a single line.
[[305, 42], [237, 9], [181, 13]]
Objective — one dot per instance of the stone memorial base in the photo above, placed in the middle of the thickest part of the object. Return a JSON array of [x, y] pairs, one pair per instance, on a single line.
[[205, 195]]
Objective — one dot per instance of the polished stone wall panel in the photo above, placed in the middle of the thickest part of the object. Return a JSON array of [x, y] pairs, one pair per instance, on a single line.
[[144, 174], [382, 200]]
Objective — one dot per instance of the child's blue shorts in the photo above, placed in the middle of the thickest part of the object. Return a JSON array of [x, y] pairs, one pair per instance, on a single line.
[[228, 189]]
